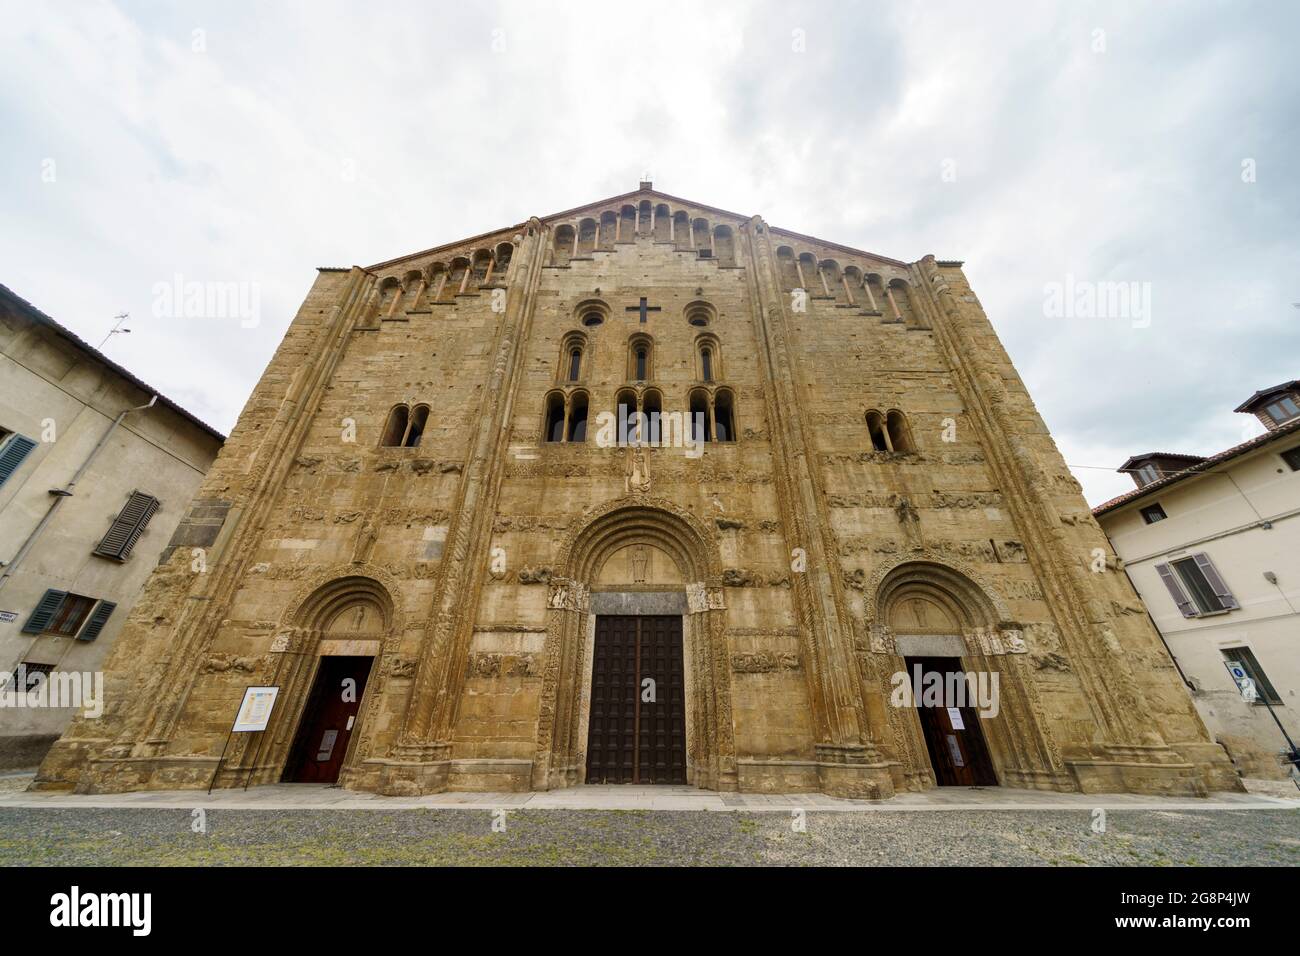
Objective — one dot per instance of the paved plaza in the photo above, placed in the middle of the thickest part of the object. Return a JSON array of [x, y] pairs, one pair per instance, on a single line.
[[292, 825]]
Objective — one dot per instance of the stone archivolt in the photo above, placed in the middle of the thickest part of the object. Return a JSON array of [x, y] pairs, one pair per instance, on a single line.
[[472, 566]]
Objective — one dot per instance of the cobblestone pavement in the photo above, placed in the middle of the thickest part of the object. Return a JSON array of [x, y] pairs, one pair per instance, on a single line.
[[435, 837]]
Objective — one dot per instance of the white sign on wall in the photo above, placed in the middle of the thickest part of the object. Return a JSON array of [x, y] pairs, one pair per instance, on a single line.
[[1245, 684], [255, 711]]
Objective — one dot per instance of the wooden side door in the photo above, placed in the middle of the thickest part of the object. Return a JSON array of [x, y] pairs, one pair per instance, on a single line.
[[953, 735], [328, 721]]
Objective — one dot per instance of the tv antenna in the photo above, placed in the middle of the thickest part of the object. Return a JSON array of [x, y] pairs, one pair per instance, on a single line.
[[117, 328]]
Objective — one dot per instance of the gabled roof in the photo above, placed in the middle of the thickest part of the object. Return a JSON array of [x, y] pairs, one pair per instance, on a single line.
[[1204, 465], [638, 195], [21, 305], [1259, 398]]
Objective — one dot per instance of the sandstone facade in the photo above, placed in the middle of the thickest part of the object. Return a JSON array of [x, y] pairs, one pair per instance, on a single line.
[[888, 490]]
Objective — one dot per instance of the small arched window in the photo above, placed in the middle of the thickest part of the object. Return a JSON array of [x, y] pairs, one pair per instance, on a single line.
[[588, 234], [395, 427], [708, 358], [724, 415], [900, 436], [592, 319], [640, 364], [876, 429], [701, 429], [555, 417], [578, 417], [482, 267], [438, 277], [806, 267], [625, 409], [405, 427], [415, 430], [652, 409], [569, 365], [505, 253], [700, 237]]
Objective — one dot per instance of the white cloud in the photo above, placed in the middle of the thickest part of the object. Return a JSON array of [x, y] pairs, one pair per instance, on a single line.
[[228, 165]]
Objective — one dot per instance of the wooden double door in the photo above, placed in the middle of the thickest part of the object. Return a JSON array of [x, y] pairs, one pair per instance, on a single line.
[[953, 735], [637, 724]]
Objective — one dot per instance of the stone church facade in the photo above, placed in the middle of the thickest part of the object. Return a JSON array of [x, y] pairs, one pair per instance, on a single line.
[[421, 502]]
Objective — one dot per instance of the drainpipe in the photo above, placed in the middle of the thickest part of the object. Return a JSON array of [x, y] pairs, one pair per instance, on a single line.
[[66, 492]]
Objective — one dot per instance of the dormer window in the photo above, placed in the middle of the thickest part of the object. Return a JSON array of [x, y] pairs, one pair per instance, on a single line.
[[1276, 406], [1155, 466], [1283, 410]]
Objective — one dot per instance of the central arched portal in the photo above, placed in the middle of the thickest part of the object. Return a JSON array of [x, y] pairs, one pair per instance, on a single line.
[[636, 687]]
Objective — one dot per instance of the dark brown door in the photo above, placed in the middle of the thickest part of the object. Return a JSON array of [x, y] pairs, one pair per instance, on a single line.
[[328, 721], [953, 735], [637, 725]]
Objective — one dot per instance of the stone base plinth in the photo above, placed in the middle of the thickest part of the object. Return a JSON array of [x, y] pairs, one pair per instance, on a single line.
[[853, 771], [1138, 769]]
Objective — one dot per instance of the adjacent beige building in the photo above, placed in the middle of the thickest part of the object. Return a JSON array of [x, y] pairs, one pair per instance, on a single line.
[[1213, 547], [96, 471], [427, 535]]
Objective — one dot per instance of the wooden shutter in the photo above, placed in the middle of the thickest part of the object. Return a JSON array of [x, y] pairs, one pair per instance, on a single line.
[[1216, 582], [12, 454], [98, 618], [46, 608], [127, 527], [1176, 590]]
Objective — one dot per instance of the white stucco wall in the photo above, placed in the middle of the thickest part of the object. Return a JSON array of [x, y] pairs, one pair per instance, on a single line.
[[47, 381], [1224, 514]]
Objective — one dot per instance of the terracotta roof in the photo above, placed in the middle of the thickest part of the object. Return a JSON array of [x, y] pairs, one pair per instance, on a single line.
[[1204, 465], [1249, 404], [39, 317]]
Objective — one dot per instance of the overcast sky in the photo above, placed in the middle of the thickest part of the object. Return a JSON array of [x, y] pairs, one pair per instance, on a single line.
[[1088, 143]]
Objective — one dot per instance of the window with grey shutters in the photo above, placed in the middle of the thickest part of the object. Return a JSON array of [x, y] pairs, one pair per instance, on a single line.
[[12, 452], [127, 527], [1196, 586], [98, 618], [46, 608], [69, 615]]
